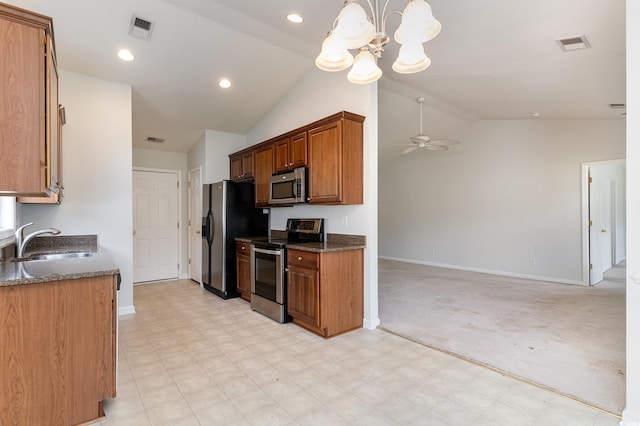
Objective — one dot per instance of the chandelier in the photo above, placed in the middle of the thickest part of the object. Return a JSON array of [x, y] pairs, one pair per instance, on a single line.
[[354, 29]]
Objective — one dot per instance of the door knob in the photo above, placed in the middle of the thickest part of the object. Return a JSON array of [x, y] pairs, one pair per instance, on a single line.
[[198, 232], [134, 232], [603, 231]]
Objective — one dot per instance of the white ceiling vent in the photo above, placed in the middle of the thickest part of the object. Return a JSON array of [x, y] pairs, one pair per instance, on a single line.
[[140, 27], [573, 43], [154, 139]]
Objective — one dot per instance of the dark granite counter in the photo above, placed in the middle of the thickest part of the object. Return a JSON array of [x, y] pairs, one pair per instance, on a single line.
[[38, 271], [335, 242], [325, 247]]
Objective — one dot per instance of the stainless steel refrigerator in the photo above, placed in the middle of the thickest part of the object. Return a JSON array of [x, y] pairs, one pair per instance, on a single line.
[[227, 212]]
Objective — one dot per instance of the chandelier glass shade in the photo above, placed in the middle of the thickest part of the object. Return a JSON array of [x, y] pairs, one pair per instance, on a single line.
[[354, 29]]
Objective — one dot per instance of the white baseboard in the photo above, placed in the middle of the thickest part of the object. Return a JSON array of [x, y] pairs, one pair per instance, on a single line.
[[126, 310], [371, 324], [487, 271]]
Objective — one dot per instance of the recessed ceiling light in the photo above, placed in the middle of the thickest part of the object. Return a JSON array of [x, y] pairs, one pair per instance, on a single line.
[[126, 55], [535, 114], [224, 83], [295, 18]]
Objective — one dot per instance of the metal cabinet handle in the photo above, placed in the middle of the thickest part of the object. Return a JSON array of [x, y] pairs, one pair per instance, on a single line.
[[299, 258]]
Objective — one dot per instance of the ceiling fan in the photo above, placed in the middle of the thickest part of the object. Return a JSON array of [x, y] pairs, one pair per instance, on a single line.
[[423, 141]]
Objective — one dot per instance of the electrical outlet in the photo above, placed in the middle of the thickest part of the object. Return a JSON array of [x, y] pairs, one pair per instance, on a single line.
[[345, 221], [532, 261], [433, 251]]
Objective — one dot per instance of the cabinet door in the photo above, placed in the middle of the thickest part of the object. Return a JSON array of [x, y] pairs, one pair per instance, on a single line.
[[281, 155], [22, 146], [243, 270], [53, 124], [298, 150], [247, 165], [264, 170], [235, 167], [303, 295], [325, 163]]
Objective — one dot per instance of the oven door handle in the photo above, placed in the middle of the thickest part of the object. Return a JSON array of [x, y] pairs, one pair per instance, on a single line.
[[265, 251]]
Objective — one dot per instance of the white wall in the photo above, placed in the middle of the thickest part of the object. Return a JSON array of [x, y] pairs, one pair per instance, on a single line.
[[317, 95], [508, 193], [631, 414], [97, 176], [174, 161], [211, 152]]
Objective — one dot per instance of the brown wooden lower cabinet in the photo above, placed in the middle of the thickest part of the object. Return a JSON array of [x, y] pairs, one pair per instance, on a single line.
[[325, 290], [243, 270], [58, 351]]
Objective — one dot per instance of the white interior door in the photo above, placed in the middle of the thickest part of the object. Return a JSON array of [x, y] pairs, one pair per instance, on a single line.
[[155, 221], [600, 230], [195, 225]]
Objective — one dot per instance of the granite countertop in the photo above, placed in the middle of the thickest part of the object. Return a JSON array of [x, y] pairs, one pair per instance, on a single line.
[[247, 239], [335, 242], [38, 271], [325, 247]]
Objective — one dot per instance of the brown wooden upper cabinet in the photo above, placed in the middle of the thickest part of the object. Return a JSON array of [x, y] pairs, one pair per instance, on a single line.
[[291, 152], [332, 150], [242, 167], [30, 144], [335, 162], [264, 170]]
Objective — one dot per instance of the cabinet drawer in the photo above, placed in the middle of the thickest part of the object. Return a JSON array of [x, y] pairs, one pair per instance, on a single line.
[[303, 259], [243, 248]]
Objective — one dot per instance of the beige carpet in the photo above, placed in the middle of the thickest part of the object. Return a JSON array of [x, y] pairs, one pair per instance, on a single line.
[[563, 337]]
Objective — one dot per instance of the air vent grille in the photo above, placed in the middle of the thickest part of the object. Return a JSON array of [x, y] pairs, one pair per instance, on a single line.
[[154, 139], [617, 106], [573, 43], [142, 23], [140, 27]]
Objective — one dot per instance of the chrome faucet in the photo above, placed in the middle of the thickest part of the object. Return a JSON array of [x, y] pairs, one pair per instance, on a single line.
[[21, 242]]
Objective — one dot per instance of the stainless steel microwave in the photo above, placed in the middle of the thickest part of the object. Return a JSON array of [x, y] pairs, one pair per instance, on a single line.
[[289, 187]]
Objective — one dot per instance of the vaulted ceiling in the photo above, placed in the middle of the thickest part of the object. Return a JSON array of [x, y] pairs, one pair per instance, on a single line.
[[494, 59]]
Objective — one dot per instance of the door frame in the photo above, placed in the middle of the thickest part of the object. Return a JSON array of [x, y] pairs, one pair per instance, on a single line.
[[180, 221], [198, 253], [584, 179]]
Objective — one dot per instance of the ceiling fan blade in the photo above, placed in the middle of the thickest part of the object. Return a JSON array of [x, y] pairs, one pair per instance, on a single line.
[[410, 149], [431, 147], [444, 142]]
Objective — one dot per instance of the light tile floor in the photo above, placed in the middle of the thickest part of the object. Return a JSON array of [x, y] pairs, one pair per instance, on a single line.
[[188, 357]]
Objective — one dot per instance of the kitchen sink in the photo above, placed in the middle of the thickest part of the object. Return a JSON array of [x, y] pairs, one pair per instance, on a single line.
[[58, 256]]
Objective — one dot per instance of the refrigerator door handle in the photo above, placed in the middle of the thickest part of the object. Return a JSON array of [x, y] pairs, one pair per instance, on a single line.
[[208, 229], [212, 230]]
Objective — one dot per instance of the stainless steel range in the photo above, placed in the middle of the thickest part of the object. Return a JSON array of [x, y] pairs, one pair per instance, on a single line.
[[268, 266]]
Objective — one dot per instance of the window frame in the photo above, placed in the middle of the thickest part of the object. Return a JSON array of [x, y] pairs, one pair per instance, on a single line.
[[7, 217]]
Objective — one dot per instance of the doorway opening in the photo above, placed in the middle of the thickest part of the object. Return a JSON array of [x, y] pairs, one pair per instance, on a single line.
[[195, 224], [604, 220]]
